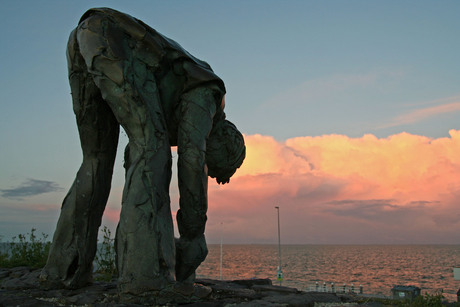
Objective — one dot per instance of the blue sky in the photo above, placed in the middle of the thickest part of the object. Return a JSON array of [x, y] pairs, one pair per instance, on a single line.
[[291, 68]]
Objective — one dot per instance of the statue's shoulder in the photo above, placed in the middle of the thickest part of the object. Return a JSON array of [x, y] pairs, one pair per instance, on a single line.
[[133, 26], [99, 10]]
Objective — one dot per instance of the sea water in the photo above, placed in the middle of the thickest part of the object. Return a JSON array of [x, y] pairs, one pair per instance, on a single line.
[[376, 267]]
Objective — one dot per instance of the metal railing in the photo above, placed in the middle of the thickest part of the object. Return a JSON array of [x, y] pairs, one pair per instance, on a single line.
[[333, 288]]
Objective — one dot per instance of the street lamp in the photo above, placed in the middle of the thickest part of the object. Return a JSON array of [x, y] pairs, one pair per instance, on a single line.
[[279, 275], [221, 254]]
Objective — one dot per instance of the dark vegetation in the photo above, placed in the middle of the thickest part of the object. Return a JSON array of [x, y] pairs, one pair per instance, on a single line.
[[30, 250], [427, 300], [26, 250], [106, 268]]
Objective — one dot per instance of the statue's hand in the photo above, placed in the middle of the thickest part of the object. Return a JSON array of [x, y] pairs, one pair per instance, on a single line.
[[190, 253]]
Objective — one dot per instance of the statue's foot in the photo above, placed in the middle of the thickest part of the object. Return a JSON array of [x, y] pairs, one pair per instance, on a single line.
[[48, 283], [49, 280]]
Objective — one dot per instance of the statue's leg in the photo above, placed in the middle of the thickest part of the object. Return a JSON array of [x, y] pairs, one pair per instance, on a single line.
[[75, 239], [145, 237]]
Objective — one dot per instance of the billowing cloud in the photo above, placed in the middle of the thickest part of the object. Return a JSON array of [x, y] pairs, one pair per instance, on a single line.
[[333, 189], [30, 187]]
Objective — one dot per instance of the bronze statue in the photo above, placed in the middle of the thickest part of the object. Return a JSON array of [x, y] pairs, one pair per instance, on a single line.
[[122, 72]]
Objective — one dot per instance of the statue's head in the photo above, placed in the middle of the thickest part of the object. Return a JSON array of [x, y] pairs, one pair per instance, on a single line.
[[225, 151]]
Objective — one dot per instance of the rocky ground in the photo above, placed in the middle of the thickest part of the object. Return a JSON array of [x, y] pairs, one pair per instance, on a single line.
[[20, 287]]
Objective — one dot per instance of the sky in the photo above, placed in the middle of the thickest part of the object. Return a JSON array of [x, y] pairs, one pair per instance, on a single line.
[[350, 112]]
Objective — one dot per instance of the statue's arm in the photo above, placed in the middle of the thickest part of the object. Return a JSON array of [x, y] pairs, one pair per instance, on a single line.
[[197, 111]]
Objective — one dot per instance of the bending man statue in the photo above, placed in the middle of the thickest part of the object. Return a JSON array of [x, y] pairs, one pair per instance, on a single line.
[[122, 72]]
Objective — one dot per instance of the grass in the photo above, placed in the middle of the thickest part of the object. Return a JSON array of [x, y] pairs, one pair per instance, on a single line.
[[32, 251], [26, 250], [105, 257]]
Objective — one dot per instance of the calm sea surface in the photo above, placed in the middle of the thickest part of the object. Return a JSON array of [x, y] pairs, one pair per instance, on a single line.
[[376, 267]]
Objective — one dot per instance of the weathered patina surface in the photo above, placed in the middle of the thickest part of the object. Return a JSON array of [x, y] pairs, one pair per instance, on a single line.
[[124, 73]]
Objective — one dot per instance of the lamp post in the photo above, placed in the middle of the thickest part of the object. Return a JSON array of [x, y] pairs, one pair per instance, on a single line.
[[221, 254], [279, 275]]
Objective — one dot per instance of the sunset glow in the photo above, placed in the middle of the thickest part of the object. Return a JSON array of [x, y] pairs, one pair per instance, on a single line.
[[345, 183]]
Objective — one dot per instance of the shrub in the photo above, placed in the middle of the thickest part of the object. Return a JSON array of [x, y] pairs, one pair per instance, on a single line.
[[428, 300], [105, 256], [26, 250]]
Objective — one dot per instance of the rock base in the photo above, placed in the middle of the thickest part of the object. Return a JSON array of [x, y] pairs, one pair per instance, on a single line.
[[20, 287]]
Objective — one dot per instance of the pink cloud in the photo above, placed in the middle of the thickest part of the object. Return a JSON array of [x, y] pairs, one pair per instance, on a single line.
[[334, 189], [421, 114]]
